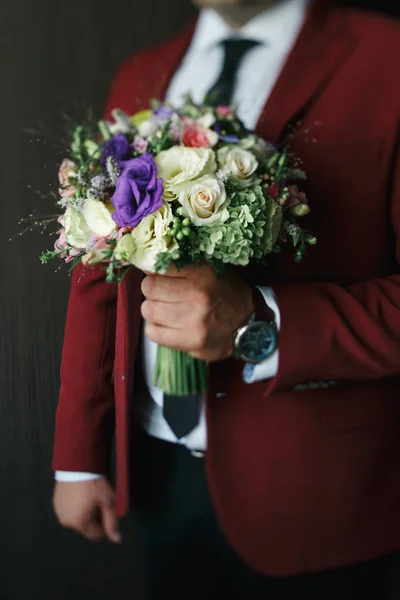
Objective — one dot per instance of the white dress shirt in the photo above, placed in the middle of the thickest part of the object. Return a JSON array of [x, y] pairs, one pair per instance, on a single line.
[[276, 29]]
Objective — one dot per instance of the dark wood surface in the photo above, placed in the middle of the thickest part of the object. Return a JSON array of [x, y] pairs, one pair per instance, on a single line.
[[56, 60]]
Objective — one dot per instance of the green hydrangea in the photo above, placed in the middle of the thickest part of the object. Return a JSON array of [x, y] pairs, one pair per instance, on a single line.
[[249, 233]]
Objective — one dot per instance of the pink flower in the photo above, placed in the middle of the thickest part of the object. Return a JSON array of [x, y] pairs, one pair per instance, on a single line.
[[195, 136], [140, 144], [223, 111], [62, 244], [295, 196], [96, 254], [65, 174], [100, 244], [122, 232], [188, 121]]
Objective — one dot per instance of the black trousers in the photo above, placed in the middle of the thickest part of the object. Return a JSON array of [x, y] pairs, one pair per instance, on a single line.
[[187, 556]]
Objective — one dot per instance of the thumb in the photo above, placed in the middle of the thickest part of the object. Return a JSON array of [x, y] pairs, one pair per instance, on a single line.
[[110, 523]]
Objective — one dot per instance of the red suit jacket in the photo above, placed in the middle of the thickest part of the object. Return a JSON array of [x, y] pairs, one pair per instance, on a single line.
[[302, 477]]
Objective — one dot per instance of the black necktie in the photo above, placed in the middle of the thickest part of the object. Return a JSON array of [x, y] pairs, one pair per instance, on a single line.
[[182, 413], [222, 91]]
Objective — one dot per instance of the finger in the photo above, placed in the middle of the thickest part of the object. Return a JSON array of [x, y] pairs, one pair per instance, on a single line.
[[170, 338], [165, 313], [172, 271], [110, 523], [165, 289], [183, 273], [92, 530]]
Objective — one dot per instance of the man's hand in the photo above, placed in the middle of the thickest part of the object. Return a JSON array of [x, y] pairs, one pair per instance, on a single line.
[[193, 311], [88, 508]]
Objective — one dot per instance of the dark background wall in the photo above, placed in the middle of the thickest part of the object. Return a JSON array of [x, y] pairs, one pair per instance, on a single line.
[[56, 59]]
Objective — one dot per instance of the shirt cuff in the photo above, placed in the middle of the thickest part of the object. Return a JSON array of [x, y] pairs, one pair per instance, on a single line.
[[268, 368], [75, 476]]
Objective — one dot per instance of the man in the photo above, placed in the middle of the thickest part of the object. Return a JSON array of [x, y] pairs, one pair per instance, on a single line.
[[288, 482]]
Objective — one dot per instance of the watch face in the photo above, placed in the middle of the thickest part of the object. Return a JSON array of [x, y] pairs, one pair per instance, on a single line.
[[257, 342]]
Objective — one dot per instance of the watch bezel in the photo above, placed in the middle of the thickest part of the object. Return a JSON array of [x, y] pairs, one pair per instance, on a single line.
[[242, 331]]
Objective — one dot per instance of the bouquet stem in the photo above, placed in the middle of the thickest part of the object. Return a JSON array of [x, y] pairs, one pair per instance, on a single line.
[[179, 374]]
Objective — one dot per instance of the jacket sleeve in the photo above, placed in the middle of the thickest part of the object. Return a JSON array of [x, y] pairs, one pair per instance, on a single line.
[[85, 414], [333, 333]]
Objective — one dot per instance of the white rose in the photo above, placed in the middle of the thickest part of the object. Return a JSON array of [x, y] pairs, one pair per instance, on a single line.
[[150, 238], [237, 161], [204, 200], [77, 231], [180, 164], [98, 217]]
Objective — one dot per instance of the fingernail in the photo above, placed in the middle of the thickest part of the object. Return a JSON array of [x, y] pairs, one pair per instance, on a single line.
[[117, 537]]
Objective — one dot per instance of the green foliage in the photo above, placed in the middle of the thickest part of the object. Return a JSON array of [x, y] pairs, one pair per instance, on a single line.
[[296, 174], [162, 140], [299, 238], [47, 256], [190, 108], [163, 262], [76, 261]]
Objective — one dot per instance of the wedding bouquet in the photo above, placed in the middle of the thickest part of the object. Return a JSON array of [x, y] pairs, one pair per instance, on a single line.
[[176, 186]]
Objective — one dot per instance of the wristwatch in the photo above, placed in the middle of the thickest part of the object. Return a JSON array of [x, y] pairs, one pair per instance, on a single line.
[[256, 340]]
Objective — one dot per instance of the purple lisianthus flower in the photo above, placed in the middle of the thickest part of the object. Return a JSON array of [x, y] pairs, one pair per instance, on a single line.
[[163, 112], [117, 147], [139, 192], [229, 138]]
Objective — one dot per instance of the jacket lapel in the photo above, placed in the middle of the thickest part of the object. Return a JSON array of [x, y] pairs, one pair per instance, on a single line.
[[322, 46]]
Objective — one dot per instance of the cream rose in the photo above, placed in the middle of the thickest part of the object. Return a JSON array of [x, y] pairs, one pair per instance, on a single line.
[[237, 161], [77, 231], [204, 200], [98, 217], [150, 238], [179, 165]]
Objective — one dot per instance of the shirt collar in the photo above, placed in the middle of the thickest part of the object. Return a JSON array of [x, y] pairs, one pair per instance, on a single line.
[[270, 27]]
